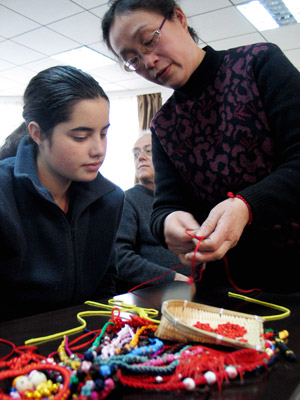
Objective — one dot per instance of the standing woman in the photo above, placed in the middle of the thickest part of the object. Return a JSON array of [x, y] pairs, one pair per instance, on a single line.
[[58, 215], [226, 146]]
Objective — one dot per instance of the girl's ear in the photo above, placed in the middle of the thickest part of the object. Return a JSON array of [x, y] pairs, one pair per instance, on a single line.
[[35, 132], [180, 16]]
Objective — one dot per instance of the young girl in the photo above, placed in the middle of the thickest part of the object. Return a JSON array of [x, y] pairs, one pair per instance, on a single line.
[[58, 214], [226, 146]]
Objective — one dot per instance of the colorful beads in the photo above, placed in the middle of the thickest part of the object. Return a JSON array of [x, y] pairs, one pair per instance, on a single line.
[[133, 356]]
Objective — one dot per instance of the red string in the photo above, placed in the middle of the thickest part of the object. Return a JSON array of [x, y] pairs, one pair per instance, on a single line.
[[13, 346], [191, 278], [155, 279], [232, 282], [200, 239]]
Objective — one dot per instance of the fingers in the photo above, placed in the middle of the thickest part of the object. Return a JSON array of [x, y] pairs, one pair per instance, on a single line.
[[201, 256], [175, 227], [219, 232]]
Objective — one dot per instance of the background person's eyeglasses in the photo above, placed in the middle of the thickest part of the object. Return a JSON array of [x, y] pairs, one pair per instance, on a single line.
[[147, 152], [148, 45]]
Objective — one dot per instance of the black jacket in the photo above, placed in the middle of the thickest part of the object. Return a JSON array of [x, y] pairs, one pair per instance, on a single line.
[[49, 259]]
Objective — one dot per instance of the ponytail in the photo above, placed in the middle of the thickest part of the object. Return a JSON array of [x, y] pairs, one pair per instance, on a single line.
[[10, 146]]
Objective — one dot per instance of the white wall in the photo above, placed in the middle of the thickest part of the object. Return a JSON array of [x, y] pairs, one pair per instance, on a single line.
[[10, 114], [122, 133]]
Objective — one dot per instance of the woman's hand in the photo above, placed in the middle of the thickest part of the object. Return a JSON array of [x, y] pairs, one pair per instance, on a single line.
[[221, 231], [175, 226]]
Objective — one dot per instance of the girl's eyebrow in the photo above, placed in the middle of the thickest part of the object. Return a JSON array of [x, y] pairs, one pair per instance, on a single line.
[[81, 128], [86, 128]]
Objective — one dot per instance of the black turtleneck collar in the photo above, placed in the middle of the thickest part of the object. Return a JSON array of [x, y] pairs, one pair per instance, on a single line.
[[204, 74]]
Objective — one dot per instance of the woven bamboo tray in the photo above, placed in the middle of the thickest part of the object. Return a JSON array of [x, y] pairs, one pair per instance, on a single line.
[[179, 316]]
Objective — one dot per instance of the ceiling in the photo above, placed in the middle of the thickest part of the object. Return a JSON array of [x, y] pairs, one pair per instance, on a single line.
[[31, 31]]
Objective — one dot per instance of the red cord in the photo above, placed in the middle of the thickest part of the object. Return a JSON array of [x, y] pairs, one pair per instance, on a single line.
[[200, 239], [191, 278], [232, 196], [231, 281], [155, 279], [13, 346]]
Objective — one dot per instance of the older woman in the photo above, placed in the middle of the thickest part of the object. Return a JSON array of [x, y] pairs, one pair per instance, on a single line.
[[226, 146]]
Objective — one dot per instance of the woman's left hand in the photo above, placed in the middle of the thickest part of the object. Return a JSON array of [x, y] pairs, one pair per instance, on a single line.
[[221, 230]]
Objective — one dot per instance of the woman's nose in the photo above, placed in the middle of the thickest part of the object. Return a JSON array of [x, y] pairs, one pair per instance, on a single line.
[[149, 60]]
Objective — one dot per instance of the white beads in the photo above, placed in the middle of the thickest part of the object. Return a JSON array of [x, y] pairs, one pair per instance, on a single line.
[[22, 383], [189, 383], [158, 379], [37, 377], [210, 377], [231, 371]]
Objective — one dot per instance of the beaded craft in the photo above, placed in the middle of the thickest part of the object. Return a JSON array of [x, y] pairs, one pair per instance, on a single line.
[[127, 353]]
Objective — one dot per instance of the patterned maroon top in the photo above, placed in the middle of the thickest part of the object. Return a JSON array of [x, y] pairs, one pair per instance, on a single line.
[[235, 126]]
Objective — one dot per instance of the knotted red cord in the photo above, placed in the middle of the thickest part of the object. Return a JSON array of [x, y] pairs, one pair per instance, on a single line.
[[191, 278], [225, 260], [200, 239]]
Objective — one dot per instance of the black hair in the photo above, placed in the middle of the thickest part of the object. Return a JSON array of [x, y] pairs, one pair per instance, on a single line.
[[120, 7], [49, 100]]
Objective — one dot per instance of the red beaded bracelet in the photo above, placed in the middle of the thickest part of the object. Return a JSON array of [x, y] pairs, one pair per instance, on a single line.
[[232, 196]]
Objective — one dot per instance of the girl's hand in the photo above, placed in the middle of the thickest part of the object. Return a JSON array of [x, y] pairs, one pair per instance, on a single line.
[[180, 277]]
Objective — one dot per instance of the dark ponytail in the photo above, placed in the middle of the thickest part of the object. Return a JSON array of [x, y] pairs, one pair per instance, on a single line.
[[49, 100], [11, 143], [120, 7]]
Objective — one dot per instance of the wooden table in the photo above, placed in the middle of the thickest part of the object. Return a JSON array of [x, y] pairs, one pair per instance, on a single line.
[[281, 381]]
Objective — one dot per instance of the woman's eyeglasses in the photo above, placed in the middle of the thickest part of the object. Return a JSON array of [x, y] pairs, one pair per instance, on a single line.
[[148, 45]]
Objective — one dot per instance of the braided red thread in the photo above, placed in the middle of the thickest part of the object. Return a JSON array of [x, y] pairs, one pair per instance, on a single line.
[[137, 321], [232, 196], [118, 322], [24, 359], [194, 367]]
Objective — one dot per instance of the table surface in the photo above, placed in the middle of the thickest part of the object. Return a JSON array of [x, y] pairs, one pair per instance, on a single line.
[[280, 381]]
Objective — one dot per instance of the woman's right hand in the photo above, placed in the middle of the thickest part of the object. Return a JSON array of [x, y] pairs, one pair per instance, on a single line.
[[175, 227]]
